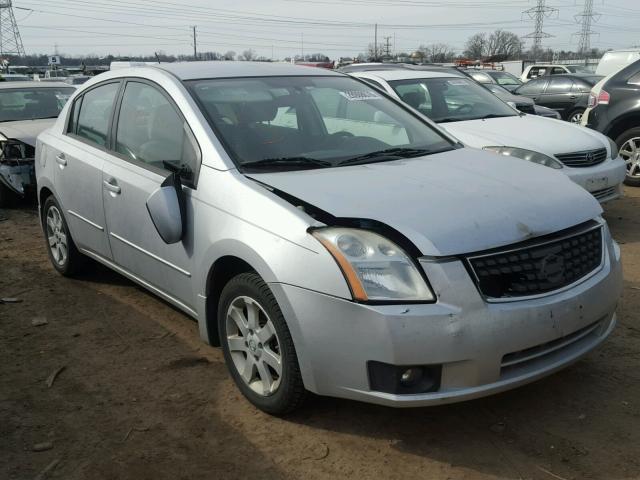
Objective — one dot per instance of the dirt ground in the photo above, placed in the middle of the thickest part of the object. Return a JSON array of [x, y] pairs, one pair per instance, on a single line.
[[141, 397]]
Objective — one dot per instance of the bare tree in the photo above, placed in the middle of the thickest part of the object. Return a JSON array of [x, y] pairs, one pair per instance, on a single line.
[[505, 43], [436, 53], [476, 46], [374, 53], [248, 55]]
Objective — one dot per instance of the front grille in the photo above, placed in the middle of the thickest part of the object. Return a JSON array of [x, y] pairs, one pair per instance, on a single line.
[[541, 266], [526, 108], [587, 158], [604, 193]]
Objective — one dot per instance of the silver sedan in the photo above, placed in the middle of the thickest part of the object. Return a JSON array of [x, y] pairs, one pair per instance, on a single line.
[[327, 237]]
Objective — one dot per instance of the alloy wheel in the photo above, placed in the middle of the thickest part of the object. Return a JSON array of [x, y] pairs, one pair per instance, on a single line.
[[576, 117], [56, 235], [630, 153], [254, 345]]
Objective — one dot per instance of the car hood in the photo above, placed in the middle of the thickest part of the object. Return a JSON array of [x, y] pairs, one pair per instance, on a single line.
[[532, 132], [26, 130], [461, 201]]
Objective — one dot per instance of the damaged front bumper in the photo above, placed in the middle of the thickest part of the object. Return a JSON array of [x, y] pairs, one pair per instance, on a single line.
[[18, 176]]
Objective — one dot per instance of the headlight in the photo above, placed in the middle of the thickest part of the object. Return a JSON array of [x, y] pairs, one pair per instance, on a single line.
[[530, 155], [375, 268], [614, 148]]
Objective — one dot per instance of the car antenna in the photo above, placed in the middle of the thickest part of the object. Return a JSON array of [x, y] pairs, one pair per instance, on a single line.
[[157, 56]]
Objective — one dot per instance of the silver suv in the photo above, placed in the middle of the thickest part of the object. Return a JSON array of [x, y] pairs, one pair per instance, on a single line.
[[327, 237]]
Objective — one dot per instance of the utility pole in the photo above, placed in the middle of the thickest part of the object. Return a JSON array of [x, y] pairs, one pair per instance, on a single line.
[[302, 44], [10, 40], [586, 19], [387, 47], [375, 43], [195, 44], [538, 14]]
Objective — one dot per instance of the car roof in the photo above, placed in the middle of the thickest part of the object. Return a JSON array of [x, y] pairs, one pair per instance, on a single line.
[[402, 74], [34, 84], [221, 69]]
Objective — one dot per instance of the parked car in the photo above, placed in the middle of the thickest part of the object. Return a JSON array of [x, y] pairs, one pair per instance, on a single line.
[[495, 77], [320, 232], [77, 79], [12, 77], [567, 94], [614, 109], [615, 60], [26, 109], [535, 71], [477, 118], [524, 104]]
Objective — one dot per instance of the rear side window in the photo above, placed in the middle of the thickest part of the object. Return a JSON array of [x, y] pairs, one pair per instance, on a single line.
[[536, 72], [557, 71], [560, 85], [95, 113]]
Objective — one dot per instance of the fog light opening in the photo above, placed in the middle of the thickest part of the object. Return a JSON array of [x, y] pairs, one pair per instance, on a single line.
[[410, 376]]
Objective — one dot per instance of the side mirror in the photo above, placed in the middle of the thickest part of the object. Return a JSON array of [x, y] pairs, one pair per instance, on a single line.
[[166, 207]]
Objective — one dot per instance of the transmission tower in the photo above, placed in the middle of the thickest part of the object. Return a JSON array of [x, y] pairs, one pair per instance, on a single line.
[[538, 14], [10, 41], [586, 19]]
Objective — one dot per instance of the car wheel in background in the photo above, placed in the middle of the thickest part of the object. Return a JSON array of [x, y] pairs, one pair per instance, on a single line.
[[257, 345], [576, 115], [629, 143], [63, 253]]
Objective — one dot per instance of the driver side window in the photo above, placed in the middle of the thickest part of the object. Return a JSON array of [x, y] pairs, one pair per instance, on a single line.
[[151, 131]]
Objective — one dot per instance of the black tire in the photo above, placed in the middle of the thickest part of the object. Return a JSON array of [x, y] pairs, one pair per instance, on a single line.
[[577, 111], [7, 197], [290, 393], [632, 181], [74, 261]]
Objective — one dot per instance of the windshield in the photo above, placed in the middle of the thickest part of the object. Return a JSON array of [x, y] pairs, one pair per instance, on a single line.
[[451, 99], [505, 78], [32, 103], [311, 122]]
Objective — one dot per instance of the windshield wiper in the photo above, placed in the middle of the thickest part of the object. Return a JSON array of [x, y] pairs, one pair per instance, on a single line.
[[384, 155], [493, 115], [284, 162]]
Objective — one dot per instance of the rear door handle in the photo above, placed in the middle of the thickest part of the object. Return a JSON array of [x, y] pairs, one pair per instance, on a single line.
[[61, 160], [112, 186]]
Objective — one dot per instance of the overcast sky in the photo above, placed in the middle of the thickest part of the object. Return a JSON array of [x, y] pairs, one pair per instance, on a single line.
[[288, 27]]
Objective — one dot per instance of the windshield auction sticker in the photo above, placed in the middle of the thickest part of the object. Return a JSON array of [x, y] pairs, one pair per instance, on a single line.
[[359, 95]]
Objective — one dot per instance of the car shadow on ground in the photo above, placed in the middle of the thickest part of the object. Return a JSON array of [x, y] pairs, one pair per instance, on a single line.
[[555, 424]]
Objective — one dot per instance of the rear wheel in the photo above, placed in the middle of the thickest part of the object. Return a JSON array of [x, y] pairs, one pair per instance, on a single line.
[[257, 346], [629, 144], [63, 253], [576, 115]]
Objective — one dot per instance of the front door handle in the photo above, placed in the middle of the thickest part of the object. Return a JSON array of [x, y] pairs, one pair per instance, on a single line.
[[112, 186], [61, 160]]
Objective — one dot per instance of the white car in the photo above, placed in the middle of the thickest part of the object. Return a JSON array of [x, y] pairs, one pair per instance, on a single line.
[[478, 119], [535, 71]]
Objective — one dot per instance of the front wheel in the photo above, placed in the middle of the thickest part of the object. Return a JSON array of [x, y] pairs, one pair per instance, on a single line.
[[257, 346], [629, 144]]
